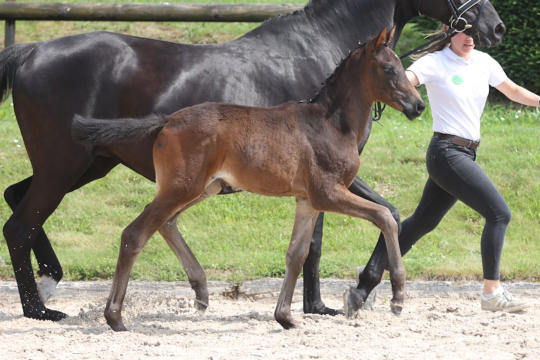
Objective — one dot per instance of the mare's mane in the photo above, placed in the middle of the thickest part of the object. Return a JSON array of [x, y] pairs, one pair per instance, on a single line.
[[295, 21]]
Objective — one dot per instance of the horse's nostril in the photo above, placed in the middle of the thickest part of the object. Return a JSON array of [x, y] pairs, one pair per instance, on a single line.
[[500, 29], [420, 107]]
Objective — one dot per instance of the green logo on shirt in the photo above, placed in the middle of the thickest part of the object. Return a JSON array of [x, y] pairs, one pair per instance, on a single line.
[[458, 80]]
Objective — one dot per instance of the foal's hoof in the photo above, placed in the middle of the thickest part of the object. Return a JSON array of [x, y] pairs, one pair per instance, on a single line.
[[200, 305], [114, 320], [286, 321], [396, 308], [45, 314], [116, 325]]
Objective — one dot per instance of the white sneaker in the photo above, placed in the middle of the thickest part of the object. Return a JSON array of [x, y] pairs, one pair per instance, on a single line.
[[502, 301]]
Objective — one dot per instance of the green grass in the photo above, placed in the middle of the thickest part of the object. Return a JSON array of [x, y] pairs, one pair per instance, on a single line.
[[244, 236]]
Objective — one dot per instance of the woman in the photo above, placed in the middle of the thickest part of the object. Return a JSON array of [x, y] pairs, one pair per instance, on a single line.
[[457, 79]]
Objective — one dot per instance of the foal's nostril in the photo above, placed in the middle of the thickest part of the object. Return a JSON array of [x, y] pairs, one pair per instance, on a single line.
[[420, 106], [500, 29]]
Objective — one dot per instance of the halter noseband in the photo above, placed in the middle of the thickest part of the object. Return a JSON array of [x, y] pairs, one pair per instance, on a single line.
[[457, 22]]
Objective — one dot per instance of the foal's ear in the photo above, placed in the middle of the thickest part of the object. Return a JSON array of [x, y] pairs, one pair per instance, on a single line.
[[381, 39], [391, 35]]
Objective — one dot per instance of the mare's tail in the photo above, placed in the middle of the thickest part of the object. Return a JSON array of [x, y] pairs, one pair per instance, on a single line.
[[114, 131], [11, 58]]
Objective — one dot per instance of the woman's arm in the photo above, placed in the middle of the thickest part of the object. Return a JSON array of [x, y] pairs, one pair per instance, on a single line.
[[412, 78], [518, 93]]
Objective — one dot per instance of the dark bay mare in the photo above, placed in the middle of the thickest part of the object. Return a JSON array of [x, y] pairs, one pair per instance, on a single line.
[[305, 150], [109, 75]]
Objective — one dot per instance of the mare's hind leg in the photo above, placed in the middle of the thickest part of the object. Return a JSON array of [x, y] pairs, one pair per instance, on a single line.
[[313, 303], [372, 273], [304, 222], [25, 224], [193, 269], [50, 270]]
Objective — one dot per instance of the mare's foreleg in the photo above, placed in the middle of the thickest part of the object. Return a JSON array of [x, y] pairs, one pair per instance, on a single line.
[[297, 252], [50, 270], [342, 201], [193, 269]]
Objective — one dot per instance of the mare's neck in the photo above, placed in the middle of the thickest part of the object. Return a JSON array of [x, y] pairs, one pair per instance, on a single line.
[[334, 27]]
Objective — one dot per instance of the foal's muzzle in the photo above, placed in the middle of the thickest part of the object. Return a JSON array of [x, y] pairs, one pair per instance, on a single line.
[[414, 109]]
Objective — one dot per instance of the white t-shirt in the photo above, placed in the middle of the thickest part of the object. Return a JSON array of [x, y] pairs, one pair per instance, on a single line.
[[457, 89]]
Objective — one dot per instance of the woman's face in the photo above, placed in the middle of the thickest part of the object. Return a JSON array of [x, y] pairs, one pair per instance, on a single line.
[[462, 44]]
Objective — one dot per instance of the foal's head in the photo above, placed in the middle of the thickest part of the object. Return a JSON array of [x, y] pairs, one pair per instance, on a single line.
[[385, 77]]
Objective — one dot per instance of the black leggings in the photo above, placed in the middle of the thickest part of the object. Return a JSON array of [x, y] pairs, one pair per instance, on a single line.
[[454, 175]]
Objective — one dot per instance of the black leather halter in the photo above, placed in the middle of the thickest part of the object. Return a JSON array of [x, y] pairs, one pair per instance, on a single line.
[[457, 21]]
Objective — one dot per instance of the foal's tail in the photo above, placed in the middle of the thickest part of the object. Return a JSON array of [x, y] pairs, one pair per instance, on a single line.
[[114, 131], [11, 58]]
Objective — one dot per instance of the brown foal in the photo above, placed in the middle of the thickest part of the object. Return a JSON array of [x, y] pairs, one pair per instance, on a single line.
[[307, 150]]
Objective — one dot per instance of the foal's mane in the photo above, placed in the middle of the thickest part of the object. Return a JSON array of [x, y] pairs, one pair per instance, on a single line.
[[335, 74]]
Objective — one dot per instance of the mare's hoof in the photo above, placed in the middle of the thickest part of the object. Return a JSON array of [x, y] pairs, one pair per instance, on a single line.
[[396, 308], [45, 314], [46, 286], [321, 309], [372, 297], [200, 305], [352, 302]]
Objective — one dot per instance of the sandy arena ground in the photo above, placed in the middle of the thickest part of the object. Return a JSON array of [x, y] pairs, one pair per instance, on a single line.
[[441, 320]]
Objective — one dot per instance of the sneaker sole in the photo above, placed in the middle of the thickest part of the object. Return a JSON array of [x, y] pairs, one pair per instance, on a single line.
[[512, 309]]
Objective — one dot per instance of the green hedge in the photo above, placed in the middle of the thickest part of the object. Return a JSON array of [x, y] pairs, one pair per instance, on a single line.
[[519, 53]]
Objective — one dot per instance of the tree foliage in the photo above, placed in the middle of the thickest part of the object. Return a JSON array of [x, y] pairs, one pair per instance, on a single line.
[[519, 53]]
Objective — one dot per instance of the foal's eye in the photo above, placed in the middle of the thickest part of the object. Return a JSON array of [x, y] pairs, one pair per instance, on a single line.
[[389, 69]]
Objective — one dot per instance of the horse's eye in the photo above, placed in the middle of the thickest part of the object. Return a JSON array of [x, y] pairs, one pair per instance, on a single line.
[[389, 69]]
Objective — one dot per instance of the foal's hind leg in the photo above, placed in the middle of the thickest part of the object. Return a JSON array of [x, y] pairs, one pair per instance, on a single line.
[[297, 252], [193, 269], [134, 238], [50, 270]]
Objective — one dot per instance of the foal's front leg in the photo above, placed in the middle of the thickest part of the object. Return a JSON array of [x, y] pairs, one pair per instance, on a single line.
[[304, 222], [342, 201]]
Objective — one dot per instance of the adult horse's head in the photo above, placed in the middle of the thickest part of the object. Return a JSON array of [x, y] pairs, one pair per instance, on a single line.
[[387, 80], [476, 17]]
